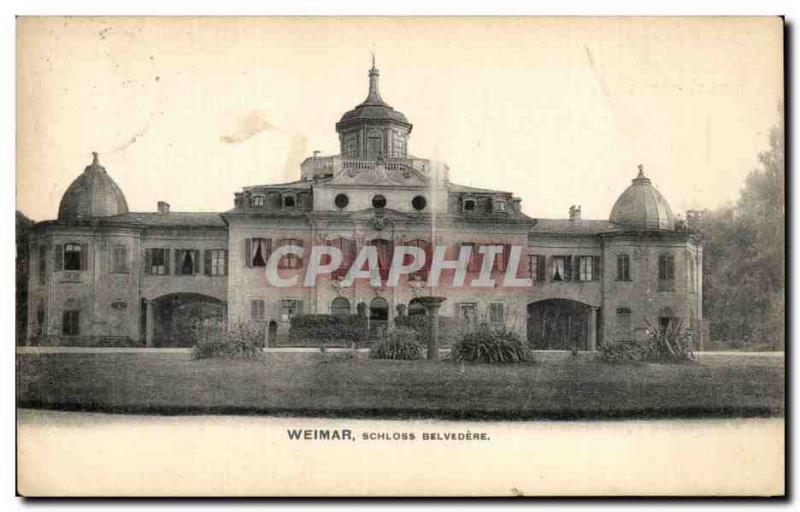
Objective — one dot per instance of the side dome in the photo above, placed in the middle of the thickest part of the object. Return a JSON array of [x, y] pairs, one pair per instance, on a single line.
[[642, 207], [92, 194]]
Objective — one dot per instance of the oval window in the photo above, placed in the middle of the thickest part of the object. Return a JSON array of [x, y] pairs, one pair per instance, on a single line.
[[378, 201], [341, 200], [419, 203]]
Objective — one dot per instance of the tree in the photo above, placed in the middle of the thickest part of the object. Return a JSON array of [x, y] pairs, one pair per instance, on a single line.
[[24, 225], [744, 257]]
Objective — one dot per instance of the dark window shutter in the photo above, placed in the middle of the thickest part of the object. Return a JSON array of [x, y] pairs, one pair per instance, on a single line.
[[148, 261], [166, 261], [567, 268], [225, 270], [177, 255], [620, 266], [542, 270], [248, 262], [84, 256], [595, 268], [196, 261], [207, 262], [59, 257]]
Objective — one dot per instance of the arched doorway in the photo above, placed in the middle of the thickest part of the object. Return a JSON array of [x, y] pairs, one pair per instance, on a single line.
[[558, 324], [340, 307], [176, 317], [378, 317]]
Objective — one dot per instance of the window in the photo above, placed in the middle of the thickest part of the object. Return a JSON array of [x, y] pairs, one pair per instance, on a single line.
[[623, 325], [71, 322], [257, 251], [425, 246], [40, 319], [623, 267], [289, 201], [119, 259], [561, 268], [469, 205], [157, 262], [292, 260], [257, 309], [73, 256], [186, 262], [499, 205], [374, 145], [473, 264], [341, 200], [290, 308], [588, 268], [351, 146], [497, 314], [42, 264], [340, 307], [385, 250], [666, 272], [536, 267], [419, 203], [468, 312], [665, 316], [378, 201], [216, 262], [348, 249], [258, 201]]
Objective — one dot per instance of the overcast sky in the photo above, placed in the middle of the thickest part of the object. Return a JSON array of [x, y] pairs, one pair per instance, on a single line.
[[559, 111]]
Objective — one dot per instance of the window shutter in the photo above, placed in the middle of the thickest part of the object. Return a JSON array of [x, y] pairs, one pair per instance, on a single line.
[[177, 256], [148, 261], [166, 261], [225, 259], [542, 268], [596, 268], [248, 261], [207, 262], [84, 256], [568, 268], [300, 243], [196, 266], [59, 257]]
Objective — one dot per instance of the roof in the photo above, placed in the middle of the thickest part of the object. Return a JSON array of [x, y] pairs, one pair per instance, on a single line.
[[93, 194], [465, 189], [171, 219], [373, 108], [299, 184], [573, 227], [642, 207]]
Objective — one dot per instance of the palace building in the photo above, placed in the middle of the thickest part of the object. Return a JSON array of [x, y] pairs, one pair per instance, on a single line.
[[102, 275]]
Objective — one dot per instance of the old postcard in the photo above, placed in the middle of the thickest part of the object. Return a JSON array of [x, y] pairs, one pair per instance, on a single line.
[[400, 256]]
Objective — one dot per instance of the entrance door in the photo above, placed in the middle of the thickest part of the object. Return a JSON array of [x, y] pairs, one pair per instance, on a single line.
[[378, 317]]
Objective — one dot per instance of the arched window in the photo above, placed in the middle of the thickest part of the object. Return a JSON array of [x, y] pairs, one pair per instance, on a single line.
[[73, 256], [258, 201], [623, 324], [340, 307], [348, 248], [425, 246]]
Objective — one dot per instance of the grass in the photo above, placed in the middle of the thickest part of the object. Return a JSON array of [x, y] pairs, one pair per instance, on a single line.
[[336, 384]]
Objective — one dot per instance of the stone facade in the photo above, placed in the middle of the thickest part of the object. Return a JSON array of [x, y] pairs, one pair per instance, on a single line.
[[103, 275]]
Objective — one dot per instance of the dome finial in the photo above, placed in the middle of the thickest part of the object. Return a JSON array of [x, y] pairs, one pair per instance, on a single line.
[[641, 171], [374, 96], [95, 159], [373, 59]]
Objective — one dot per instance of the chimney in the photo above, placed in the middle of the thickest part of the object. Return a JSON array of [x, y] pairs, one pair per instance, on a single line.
[[575, 212], [316, 155], [163, 207]]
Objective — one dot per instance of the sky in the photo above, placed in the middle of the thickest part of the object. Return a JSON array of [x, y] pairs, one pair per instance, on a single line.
[[559, 111]]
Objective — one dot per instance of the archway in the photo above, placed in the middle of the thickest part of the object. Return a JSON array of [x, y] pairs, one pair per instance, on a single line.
[[177, 315], [378, 316], [558, 324]]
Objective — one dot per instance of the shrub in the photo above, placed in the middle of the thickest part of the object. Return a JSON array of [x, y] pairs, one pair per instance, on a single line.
[[485, 345], [327, 329], [670, 344], [238, 341], [398, 343]]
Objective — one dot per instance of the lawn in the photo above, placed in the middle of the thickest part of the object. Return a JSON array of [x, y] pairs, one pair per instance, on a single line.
[[334, 384]]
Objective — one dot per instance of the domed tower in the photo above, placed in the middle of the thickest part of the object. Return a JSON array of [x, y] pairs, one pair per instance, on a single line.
[[373, 129], [642, 208], [92, 194]]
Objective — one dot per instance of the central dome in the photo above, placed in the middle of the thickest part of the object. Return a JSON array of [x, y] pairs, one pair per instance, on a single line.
[[373, 108], [642, 207], [92, 194]]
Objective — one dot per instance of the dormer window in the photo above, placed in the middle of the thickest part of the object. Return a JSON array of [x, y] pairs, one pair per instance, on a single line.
[[258, 201], [469, 205], [499, 205], [289, 201]]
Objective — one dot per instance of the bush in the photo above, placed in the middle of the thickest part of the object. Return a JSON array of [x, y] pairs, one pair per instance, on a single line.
[[237, 341], [398, 343], [485, 345], [327, 330], [670, 344]]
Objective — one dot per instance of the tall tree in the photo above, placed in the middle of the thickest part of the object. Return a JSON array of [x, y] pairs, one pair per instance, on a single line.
[[23, 231]]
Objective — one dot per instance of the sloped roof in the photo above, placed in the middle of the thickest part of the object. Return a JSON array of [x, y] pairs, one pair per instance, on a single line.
[[465, 189], [93, 194], [176, 219], [573, 227]]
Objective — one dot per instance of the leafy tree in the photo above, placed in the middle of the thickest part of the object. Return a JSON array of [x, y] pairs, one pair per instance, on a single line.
[[24, 225], [744, 257]]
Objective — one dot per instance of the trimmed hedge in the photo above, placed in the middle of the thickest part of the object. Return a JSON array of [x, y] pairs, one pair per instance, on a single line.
[[324, 329]]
